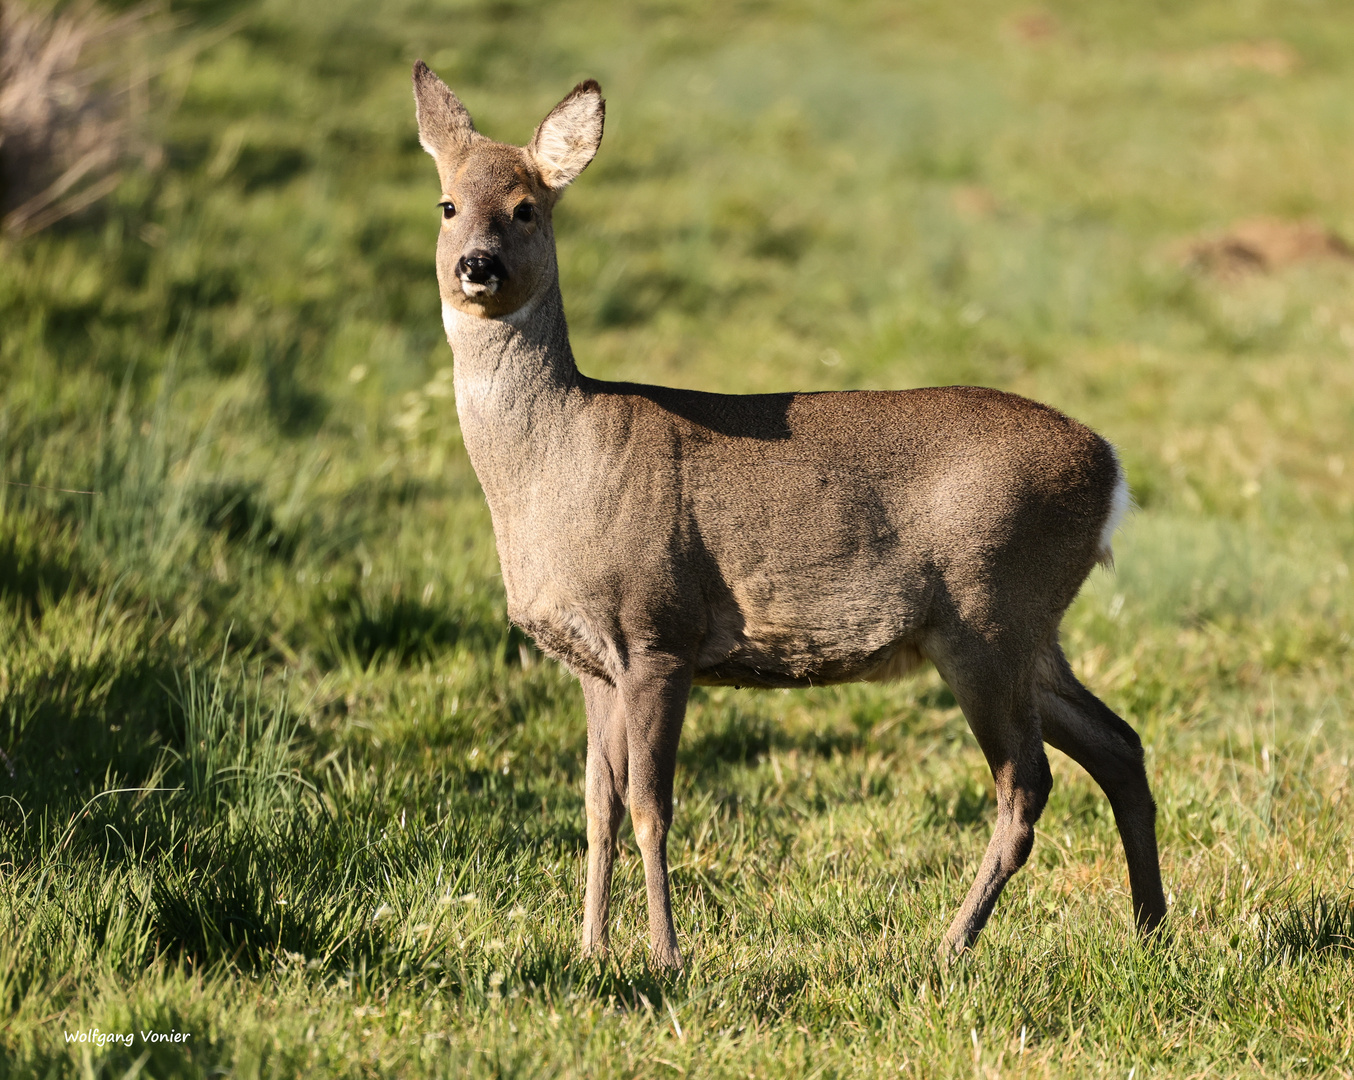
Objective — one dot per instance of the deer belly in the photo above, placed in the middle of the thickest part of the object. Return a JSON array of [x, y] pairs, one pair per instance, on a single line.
[[819, 585], [819, 628]]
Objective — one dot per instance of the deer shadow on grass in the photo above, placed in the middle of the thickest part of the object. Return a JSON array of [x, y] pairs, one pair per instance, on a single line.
[[733, 737], [364, 629]]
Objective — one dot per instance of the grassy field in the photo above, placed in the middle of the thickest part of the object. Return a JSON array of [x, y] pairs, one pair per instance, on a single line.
[[275, 770]]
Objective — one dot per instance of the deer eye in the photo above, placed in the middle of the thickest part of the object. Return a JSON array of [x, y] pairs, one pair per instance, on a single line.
[[448, 209], [524, 211]]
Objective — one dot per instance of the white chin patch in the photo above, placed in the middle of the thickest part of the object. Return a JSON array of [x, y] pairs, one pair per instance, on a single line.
[[476, 288], [449, 317]]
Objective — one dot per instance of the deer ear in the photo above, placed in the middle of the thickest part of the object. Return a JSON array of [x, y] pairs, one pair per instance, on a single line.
[[568, 138], [445, 129]]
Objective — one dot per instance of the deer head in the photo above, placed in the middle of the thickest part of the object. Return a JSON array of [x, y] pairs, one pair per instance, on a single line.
[[496, 250]]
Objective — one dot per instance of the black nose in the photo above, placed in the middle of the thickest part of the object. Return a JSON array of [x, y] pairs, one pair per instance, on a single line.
[[480, 268]]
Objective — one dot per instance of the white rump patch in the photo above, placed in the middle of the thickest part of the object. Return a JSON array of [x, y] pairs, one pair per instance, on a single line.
[[1120, 502]]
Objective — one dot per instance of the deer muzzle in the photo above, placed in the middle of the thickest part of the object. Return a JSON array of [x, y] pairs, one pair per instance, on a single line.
[[480, 273]]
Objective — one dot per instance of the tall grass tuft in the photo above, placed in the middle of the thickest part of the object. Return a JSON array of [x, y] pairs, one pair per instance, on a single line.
[[1321, 926], [239, 759], [72, 104]]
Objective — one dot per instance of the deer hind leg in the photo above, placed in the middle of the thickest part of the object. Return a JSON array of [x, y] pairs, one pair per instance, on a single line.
[[1079, 724], [604, 795], [655, 704], [997, 702]]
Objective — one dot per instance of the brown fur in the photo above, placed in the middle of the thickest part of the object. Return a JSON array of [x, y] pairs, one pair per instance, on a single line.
[[652, 538]]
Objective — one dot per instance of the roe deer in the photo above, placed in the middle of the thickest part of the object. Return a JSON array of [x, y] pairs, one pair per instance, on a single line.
[[652, 538]]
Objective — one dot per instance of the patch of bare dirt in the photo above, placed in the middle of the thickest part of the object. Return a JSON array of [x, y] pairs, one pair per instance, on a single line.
[[973, 202], [1034, 27], [1263, 245], [1270, 56]]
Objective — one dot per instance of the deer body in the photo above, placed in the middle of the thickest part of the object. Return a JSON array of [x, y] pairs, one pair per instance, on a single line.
[[651, 538]]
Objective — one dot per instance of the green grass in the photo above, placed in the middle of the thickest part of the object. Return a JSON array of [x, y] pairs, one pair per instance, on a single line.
[[276, 770]]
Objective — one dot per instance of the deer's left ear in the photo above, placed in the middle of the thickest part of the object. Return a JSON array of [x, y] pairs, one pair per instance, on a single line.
[[568, 138]]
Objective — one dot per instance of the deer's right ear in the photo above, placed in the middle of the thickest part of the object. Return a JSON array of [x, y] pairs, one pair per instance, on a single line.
[[445, 129]]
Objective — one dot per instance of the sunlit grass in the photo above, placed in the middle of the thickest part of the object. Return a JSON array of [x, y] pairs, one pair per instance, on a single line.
[[276, 770]]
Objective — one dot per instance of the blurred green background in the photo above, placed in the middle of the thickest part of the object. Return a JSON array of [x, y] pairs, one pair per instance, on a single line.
[[277, 771]]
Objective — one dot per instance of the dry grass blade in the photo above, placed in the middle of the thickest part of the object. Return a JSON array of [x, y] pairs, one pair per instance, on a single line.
[[71, 102]]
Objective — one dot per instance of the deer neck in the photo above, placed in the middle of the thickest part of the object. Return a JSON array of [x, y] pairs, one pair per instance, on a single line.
[[516, 383]]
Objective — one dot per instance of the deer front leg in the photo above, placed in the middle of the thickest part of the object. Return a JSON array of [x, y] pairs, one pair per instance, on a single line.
[[604, 795], [655, 704]]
